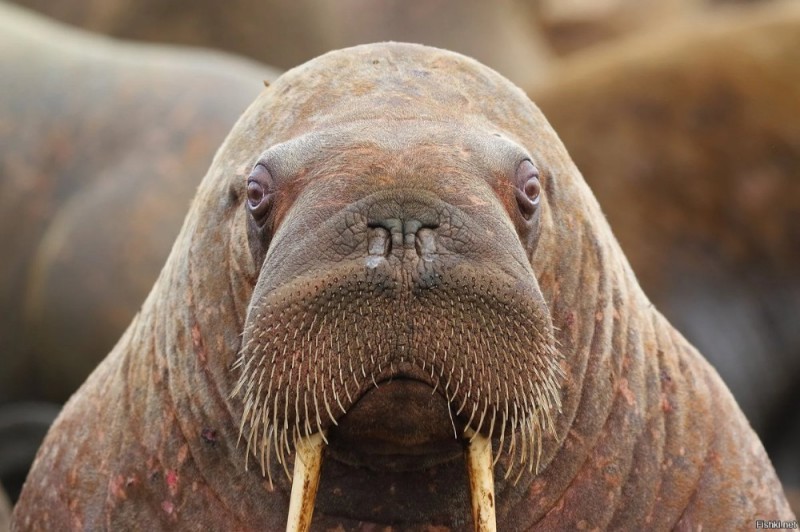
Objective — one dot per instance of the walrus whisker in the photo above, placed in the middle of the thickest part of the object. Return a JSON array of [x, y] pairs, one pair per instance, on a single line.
[[520, 471], [237, 363], [247, 406], [268, 467], [504, 421], [510, 453], [316, 413], [352, 371], [491, 431], [264, 436], [539, 449], [483, 415], [327, 405], [347, 391], [255, 409], [527, 444], [307, 417], [449, 378], [251, 437], [463, 403], [435, 386], [536, 442], [472, 415], [339, 402], [275, 405], [523, 448], [450, 414], [284, 457], [286, 417], [274, 431], [513, 443]]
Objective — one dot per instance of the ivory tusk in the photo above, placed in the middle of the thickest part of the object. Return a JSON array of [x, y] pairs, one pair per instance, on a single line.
[[307, 463], [481, 481]]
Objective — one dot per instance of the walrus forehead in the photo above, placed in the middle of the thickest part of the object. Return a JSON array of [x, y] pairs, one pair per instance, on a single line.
[[397, 80], [480, 147]]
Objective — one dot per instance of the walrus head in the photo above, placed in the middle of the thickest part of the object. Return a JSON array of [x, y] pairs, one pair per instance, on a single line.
[[396, 315], [393, 252]]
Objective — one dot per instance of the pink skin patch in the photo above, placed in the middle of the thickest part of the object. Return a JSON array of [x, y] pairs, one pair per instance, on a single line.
[[172, 481], [168, 507]]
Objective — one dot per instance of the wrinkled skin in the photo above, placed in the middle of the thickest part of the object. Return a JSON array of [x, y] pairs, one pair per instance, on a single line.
[[102, 144], [694, 148], [643, 435]]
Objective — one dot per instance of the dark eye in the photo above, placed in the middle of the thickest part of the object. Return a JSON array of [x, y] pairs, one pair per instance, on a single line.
[[260, 187], [528, 188]]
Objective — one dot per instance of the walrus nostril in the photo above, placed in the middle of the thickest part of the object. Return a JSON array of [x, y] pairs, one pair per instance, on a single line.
[[380, 243], [425, 244], [405, 234]]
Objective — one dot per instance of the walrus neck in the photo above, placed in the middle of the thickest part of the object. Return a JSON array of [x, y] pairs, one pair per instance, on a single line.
[[624, 361], [197, 333], [187, 339]]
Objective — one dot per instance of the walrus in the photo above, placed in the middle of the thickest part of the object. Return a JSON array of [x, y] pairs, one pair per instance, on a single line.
[[692, 138], [103, 145], [394, 288], [570, 27]]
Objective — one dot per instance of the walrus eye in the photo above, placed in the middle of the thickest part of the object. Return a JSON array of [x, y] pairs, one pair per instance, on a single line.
[[528, 188], [259, 192]]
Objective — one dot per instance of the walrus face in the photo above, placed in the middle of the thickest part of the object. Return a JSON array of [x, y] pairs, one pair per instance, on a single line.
[[396, 315]]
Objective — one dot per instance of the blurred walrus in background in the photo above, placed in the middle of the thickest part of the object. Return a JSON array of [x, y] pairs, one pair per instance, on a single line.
[[690, 138], [573, 25], [286, 33], [102, 143], [5, 511], [393, 253], [101, 146]]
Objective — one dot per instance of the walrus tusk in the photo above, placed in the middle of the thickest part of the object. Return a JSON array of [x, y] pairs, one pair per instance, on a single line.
[[481, 480], [307, 462]]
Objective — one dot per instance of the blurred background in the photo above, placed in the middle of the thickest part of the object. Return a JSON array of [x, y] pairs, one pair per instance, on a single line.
[[683, 116]]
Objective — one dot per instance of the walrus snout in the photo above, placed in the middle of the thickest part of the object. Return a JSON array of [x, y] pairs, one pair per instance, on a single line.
[[399, 279]]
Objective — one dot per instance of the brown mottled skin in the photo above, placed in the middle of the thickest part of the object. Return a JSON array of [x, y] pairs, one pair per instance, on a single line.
[[647, 436], [690, 141], [102, 144]]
